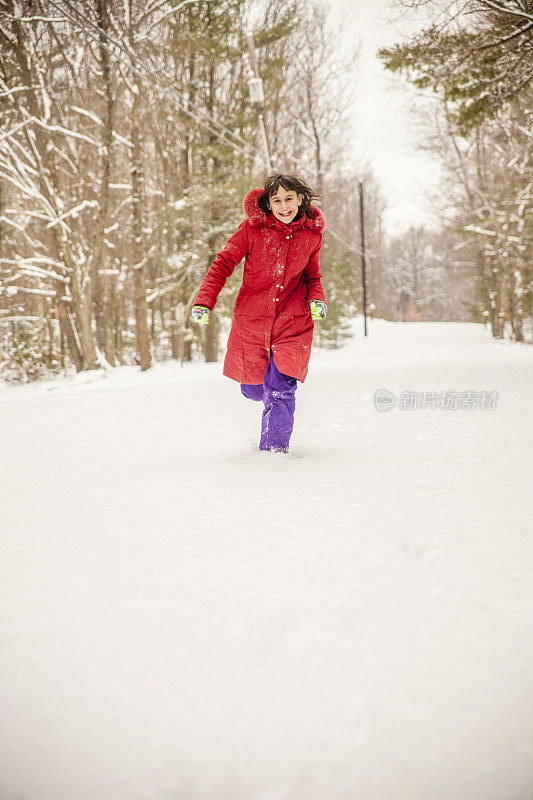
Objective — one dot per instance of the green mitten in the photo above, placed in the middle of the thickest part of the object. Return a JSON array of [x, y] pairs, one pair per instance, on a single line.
[[200, 314], [318, 309]]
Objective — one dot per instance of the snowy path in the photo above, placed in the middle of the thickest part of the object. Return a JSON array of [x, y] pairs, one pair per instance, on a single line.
[[186, 619]]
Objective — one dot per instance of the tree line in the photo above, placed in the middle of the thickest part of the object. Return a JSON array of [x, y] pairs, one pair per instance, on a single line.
[[128, 139], [127, 142]]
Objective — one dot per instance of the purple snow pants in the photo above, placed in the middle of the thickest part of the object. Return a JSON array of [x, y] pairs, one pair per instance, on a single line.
[[277, 393]]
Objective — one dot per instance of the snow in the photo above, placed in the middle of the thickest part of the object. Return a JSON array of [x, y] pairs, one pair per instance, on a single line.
[[187, 617], [74, 212], [477, 229], [178, 205]]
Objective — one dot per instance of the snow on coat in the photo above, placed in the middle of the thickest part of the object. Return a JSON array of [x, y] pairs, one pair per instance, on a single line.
[[281, 275]]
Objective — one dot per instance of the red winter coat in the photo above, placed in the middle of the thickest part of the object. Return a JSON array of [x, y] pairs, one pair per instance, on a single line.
[[281, 276]]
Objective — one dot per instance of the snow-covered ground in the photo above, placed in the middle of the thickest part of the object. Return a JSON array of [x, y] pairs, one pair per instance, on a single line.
[[187, 618]]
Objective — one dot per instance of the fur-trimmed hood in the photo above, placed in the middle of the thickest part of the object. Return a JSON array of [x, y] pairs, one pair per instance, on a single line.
[[314, 218]]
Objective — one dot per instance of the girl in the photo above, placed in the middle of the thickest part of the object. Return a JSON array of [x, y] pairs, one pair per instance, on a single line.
[[269, 344]]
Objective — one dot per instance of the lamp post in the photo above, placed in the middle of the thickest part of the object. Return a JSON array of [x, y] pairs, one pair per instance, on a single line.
[[255, 87]]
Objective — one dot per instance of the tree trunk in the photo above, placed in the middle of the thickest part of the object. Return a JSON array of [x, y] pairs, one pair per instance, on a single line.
[[210, 344], [139, 270], [110, 317], [102, 285], [56, 242], [67, 331], [485, 275], [119, 317]]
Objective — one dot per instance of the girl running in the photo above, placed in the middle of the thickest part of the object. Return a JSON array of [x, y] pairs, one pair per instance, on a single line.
[[269, 344]]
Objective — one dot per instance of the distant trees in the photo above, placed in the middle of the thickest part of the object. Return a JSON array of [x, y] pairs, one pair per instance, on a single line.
[[311, 102], [343, 279], [426, 279]]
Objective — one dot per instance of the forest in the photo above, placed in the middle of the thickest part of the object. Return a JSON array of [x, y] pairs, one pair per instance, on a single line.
[[128, 140]]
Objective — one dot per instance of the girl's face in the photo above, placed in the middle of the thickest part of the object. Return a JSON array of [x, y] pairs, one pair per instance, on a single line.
[[284, 204]]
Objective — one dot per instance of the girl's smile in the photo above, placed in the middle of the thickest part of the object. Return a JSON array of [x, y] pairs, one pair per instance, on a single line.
[[284, 204]]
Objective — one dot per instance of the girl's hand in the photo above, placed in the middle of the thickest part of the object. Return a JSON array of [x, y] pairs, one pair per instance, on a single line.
[[318, 309], [200, 314]]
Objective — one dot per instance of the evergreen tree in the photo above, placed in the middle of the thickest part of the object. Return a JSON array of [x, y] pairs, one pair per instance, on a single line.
[[477, 66]]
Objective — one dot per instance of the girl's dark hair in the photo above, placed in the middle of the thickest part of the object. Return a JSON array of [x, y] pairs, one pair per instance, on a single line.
[[291, 184]]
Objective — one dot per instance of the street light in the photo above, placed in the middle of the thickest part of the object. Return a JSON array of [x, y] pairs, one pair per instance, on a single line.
[[255, 86], [257, 96]]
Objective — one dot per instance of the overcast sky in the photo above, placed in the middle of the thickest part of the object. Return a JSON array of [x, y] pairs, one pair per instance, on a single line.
[[383, 127]]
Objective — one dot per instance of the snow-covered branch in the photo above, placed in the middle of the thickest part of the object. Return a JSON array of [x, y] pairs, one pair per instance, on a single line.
[[74, 212]]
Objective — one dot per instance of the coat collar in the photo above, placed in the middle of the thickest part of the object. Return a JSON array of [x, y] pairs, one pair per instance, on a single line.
[[314, 219]]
